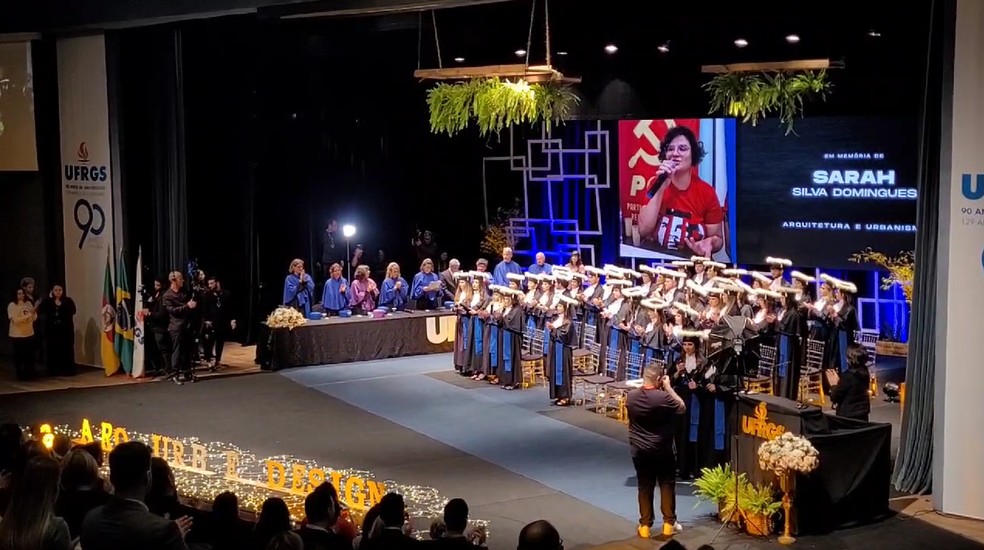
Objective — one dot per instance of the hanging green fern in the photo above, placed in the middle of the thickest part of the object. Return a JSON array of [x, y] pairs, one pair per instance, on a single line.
[[751, 97], [493, 104]]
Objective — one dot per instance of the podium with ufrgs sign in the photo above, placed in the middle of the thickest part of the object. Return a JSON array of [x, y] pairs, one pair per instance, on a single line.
[[851, 484]]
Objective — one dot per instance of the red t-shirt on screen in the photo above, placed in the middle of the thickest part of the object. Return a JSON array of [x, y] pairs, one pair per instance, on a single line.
[[698, 204]]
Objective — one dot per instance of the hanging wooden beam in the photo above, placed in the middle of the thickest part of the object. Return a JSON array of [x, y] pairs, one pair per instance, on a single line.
[[531, 73], [796, 65]]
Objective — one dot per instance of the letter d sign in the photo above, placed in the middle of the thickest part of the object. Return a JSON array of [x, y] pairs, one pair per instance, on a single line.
[[972, 190], [440, 329]]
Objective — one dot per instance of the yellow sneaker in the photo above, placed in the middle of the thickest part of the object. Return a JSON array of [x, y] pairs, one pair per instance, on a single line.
[[668, 530], [643, 531]]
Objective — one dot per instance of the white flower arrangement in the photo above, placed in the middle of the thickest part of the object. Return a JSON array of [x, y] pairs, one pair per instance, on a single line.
[[285, 317], [788, 453]]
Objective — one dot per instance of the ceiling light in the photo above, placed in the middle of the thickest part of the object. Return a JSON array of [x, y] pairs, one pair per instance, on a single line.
[[459, 60], [663, 48], [741, 42], [611, 48], [561, 53], [520, 53], [793, 38], [874, 34]]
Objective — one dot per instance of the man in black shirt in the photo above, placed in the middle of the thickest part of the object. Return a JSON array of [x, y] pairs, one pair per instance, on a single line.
[[652, 411], [180, 306]]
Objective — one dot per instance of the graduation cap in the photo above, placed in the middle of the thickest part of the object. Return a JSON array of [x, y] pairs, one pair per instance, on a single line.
[[462, 274], [568, 300], [790, 290], [767, 293], [515, 292], [735, 272], [497, 289], [533, 276], [717, 291], [578, 275], [779, 263], [632, 272], [802, 277], [481, 275], [647, 269], [671, 273], [761, 277], [653, 303], [563, 275], [699, 289], [680, 332], [618, 282], [634, 292], [699, 259], [518, 277], [682, 263], [685, 308], [547, 277], [742, 286], [614, 271], [717, 265], [594, 270], [844, 286]]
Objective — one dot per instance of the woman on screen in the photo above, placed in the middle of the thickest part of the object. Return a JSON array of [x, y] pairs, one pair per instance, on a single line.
[[683, 211]]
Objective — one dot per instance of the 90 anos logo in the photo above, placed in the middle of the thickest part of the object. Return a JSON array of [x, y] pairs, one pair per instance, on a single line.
[[90, 219]]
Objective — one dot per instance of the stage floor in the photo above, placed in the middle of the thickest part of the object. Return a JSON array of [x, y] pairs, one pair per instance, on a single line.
[[509, 454]]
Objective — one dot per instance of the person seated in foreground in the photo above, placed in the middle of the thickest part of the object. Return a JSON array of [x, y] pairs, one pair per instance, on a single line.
[[126, 522], [540, 535], [849, 393], [455, 523], [392, 514], [321, 509]]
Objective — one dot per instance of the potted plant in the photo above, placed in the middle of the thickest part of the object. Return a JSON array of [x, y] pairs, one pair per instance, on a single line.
[[717, 485], [758, 506], [751, 96], [494, 104]]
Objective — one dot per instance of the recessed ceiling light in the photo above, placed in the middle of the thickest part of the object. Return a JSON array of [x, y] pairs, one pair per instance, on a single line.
[[663, 48], [874, 34], [520, 53], [741, 42], [793, 38], [459, 60], [611, 48], [561, 53]]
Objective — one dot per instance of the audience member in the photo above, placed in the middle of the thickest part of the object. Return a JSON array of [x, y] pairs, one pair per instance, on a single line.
[[29, 522], [223, 528], [125, 521], [162, 496], [455, 521], [371, 527], [274, 519], [60, 446], [321, 512], [392, 513], [82, 489], [540, 535], [286, 541], [95, 449]]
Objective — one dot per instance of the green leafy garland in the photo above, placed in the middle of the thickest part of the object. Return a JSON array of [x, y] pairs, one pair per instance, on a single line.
[[494, 104], [753, 96]]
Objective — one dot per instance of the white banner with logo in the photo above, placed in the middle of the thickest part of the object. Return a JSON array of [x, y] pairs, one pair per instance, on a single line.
[[959, 400], [87, 195]]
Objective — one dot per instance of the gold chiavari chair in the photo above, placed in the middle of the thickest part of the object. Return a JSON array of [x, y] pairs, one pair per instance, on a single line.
[[869, 339], [811, 374], [761, 380], [532, 360]]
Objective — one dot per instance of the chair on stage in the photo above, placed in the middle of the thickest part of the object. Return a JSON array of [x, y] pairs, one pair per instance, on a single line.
[[585, 362], [869, 339], [532, 359], [761, 380], [596, 385], [811, 374], [619, 391]]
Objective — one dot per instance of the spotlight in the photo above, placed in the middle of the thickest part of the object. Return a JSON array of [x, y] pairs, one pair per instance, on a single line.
[[348, 231], [891, 391], [874, 34], [611, 48], [793, 38], [663, 48], [741, 42], [561, 53], [520, 53], [459, 60]]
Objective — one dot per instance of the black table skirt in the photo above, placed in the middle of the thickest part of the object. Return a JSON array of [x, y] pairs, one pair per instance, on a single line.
[[338, 340]]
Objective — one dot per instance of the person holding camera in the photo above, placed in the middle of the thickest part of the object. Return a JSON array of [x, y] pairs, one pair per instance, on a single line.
[[218, 322], [653, 409], [156, 320], [180, 306]]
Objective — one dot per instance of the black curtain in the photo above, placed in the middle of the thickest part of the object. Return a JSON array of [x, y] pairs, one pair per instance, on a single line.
[[151, 93], [914, 465]]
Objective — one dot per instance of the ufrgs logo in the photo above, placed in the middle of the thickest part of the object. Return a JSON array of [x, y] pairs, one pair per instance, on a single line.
[[81, 171], [971, 189]]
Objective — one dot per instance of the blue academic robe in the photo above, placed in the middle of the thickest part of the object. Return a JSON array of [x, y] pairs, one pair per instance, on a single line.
[[333, 299], [392, 298], [545, 269], [299, 293], [425, 300], [503, 269]]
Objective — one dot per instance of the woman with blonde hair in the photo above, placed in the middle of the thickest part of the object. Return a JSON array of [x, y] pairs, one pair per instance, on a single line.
[[395, 291], [29, 523], [462, 302], [426, 287], [299, 288]]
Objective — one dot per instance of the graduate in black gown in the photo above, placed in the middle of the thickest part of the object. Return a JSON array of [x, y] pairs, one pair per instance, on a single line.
[[513, 323], [843, 323], [560, 359], [476, 333], [462, 340], [613, 316], [793, 332], [493, 336], [591, 298], [715, 385], [684, 378]]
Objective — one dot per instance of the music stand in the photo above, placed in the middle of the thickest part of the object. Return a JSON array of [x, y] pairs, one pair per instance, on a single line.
[[727, 344]]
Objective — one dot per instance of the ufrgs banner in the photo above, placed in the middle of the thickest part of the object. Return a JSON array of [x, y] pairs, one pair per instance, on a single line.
[[87, 193], [959, 447]]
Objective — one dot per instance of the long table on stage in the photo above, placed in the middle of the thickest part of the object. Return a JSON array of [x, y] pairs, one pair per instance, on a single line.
[[850, 486], [344, 340]]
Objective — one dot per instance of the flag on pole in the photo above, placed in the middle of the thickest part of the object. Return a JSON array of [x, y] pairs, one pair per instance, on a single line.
[[138, 316], [107, 349], [124, 323]]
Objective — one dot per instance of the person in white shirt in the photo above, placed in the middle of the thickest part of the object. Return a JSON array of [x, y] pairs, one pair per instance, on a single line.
[[22, 315]]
